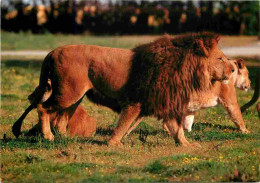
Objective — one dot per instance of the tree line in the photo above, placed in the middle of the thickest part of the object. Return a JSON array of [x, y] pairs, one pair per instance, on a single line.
[[131, 17]]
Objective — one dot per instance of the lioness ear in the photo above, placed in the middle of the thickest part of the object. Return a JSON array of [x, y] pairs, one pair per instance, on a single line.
[[240, 63], [48, 87], [200, 48]]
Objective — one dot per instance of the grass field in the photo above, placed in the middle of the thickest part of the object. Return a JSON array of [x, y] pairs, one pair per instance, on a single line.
[[226, 154], [27, 41]]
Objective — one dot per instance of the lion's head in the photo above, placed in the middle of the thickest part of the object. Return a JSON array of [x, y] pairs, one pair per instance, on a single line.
[[165, 72], [242, 80]]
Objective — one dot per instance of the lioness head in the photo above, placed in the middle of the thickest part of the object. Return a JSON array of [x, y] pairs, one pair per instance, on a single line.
[[219, 66], [242, 80]]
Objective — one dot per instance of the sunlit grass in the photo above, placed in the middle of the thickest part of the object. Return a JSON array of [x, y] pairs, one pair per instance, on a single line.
[[226, 154]]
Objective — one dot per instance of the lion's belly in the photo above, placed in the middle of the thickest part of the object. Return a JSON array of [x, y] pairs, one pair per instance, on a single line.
[[200, 103], [109, 77]]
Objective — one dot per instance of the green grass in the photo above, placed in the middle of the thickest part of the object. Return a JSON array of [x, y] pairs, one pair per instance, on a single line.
[[28, 41], [226, 154]]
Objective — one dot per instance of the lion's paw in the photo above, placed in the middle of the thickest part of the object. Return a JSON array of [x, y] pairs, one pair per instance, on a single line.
[[195, 145], [245, 131], [192, 145], [49, 137], [114, 143]]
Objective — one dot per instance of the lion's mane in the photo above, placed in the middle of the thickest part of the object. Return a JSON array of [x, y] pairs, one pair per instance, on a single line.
[[165, 72]]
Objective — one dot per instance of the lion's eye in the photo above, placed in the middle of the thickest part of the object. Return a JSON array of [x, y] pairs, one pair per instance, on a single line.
[[221, 59]]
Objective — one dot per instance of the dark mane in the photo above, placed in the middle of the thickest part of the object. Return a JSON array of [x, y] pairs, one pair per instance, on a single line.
[[165, 72]]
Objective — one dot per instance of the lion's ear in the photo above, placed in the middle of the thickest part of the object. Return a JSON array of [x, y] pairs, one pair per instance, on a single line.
[[166, 35], [217, 38], [240, 63], [200, 48]]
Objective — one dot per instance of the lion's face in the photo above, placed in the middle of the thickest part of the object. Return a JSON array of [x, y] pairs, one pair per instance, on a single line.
[[242, 80], [219, 66]]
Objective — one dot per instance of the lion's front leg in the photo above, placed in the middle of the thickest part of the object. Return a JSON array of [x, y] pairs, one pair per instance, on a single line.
[[176, 130], [44, 120], [127, 116], [187, 123], [137, 121]]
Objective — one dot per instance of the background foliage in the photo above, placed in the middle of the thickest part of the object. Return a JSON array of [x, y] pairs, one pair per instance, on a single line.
[[130, 17]]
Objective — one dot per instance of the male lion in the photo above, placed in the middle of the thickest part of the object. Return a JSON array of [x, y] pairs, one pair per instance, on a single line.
[[152, 79], [220, 93]]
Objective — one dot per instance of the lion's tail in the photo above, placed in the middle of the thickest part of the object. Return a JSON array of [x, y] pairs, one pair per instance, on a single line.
[[44, 88], [40, 94], [16, 128]]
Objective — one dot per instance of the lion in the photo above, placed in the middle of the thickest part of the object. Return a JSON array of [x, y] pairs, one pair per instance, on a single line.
[[156, 79], [220, 93], [79, 123]]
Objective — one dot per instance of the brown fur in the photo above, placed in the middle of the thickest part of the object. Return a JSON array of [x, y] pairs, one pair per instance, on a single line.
[[80, 124], [223, 93], [167, 71], [153, 79], [219, 93]]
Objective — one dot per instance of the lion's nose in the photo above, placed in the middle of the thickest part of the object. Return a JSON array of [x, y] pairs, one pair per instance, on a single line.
[[224, 77]]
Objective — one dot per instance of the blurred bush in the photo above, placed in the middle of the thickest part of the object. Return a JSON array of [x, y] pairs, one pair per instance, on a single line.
[[130, 17]]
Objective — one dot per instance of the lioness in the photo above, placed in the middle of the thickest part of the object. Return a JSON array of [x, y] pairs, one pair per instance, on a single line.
[[224, 94], [77, 123], [157, 79], [80, 124]]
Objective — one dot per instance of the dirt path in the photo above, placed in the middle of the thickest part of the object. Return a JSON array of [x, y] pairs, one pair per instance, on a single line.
[[245, 51]]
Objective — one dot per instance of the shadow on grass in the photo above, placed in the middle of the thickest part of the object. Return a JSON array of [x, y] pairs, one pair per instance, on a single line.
[[21, 63], [38, 141], [199, 126], [138, 130]]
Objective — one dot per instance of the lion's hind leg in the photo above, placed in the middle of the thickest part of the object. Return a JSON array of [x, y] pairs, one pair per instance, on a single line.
[[127, 116]]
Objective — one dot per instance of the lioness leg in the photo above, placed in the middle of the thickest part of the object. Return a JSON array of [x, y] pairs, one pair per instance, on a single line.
[[230, 103], [127, 116], [44, 120], [176, 131], [188, 121], [62, 122], [236, 116]]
